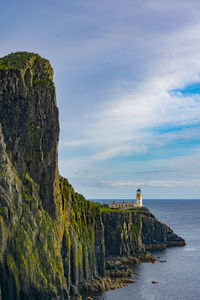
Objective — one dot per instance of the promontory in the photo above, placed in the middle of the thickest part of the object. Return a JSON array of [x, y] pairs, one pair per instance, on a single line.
[[54, 244]]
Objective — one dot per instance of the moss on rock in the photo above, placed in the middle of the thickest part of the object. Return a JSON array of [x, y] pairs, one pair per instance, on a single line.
[[52, 240]]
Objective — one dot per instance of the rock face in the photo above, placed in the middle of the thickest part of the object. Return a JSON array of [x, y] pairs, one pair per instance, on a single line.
[[51, 239], [29, 120], [134, 232], [156, 235], [125, 229]]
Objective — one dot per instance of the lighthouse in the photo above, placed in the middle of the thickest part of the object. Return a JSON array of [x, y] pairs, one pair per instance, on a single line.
[[139, 198]]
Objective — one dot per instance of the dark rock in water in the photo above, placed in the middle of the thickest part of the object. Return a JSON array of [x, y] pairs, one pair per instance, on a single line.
[[53, 243], [173, 239], [147, 258], [127, 280]]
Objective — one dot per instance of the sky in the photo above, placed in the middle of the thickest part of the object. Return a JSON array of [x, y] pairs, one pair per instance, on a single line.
[[127, 77]]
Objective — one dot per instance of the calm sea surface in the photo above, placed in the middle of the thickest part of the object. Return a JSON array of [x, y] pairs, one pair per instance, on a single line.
[[179, 277]]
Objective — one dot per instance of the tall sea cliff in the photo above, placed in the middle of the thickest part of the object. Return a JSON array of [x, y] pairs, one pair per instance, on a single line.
[[53, 241]]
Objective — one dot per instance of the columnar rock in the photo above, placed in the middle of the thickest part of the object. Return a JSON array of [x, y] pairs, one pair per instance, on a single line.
[[29, 120], [52, 240]]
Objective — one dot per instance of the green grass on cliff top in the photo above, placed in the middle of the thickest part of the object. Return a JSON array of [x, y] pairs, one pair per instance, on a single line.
[[105, 208], [19, 60]]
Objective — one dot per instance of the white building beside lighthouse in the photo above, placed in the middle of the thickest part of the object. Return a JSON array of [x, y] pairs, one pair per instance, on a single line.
[[127, 205], [139, 198]]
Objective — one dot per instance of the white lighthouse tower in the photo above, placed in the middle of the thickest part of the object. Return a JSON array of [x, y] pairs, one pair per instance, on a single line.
[[139, 198]]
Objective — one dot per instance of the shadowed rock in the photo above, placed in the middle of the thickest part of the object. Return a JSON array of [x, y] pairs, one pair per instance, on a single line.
[[29, 120], [53, 243]]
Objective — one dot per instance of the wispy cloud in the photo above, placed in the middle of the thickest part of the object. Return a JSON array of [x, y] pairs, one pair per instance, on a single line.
[[153, 172], [153, 183], [130, 120], [119, 66]]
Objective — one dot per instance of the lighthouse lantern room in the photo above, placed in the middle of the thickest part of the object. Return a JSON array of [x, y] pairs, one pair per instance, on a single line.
[[139, 198]]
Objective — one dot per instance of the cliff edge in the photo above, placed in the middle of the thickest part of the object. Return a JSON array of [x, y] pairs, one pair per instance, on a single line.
[[52, 240]]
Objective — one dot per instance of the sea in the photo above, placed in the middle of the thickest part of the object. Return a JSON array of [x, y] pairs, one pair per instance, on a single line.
[[179, 277]]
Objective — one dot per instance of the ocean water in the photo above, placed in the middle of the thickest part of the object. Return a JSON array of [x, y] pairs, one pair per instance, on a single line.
[[179, 276]]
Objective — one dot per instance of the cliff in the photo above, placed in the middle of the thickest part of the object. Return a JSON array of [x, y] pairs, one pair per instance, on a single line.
[[51, 239], [29, 120], [136, 231]]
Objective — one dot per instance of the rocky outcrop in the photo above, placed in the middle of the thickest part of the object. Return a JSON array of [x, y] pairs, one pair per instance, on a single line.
[[136, 231], [156, 235], [123, 227], [29, 120], [53, 241]]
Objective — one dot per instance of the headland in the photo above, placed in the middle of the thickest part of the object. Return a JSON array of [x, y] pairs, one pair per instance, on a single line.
[[54, 244]]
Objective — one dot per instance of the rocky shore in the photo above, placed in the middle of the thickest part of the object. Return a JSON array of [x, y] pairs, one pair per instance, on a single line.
[[53, 243], [119, 272]]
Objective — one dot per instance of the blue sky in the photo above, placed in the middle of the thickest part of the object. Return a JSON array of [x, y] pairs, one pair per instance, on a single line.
[[127, 75]]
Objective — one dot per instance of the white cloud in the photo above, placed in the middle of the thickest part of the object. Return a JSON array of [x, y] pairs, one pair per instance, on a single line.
[[115, 64], [118, 151], [154, 183], [159, 45]]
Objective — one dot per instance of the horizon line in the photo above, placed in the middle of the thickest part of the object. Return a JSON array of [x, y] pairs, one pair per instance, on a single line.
[[143, 199]]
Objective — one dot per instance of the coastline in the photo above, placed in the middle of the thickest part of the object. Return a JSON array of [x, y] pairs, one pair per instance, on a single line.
[[52, 239], [176, 268], [119, 273]]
